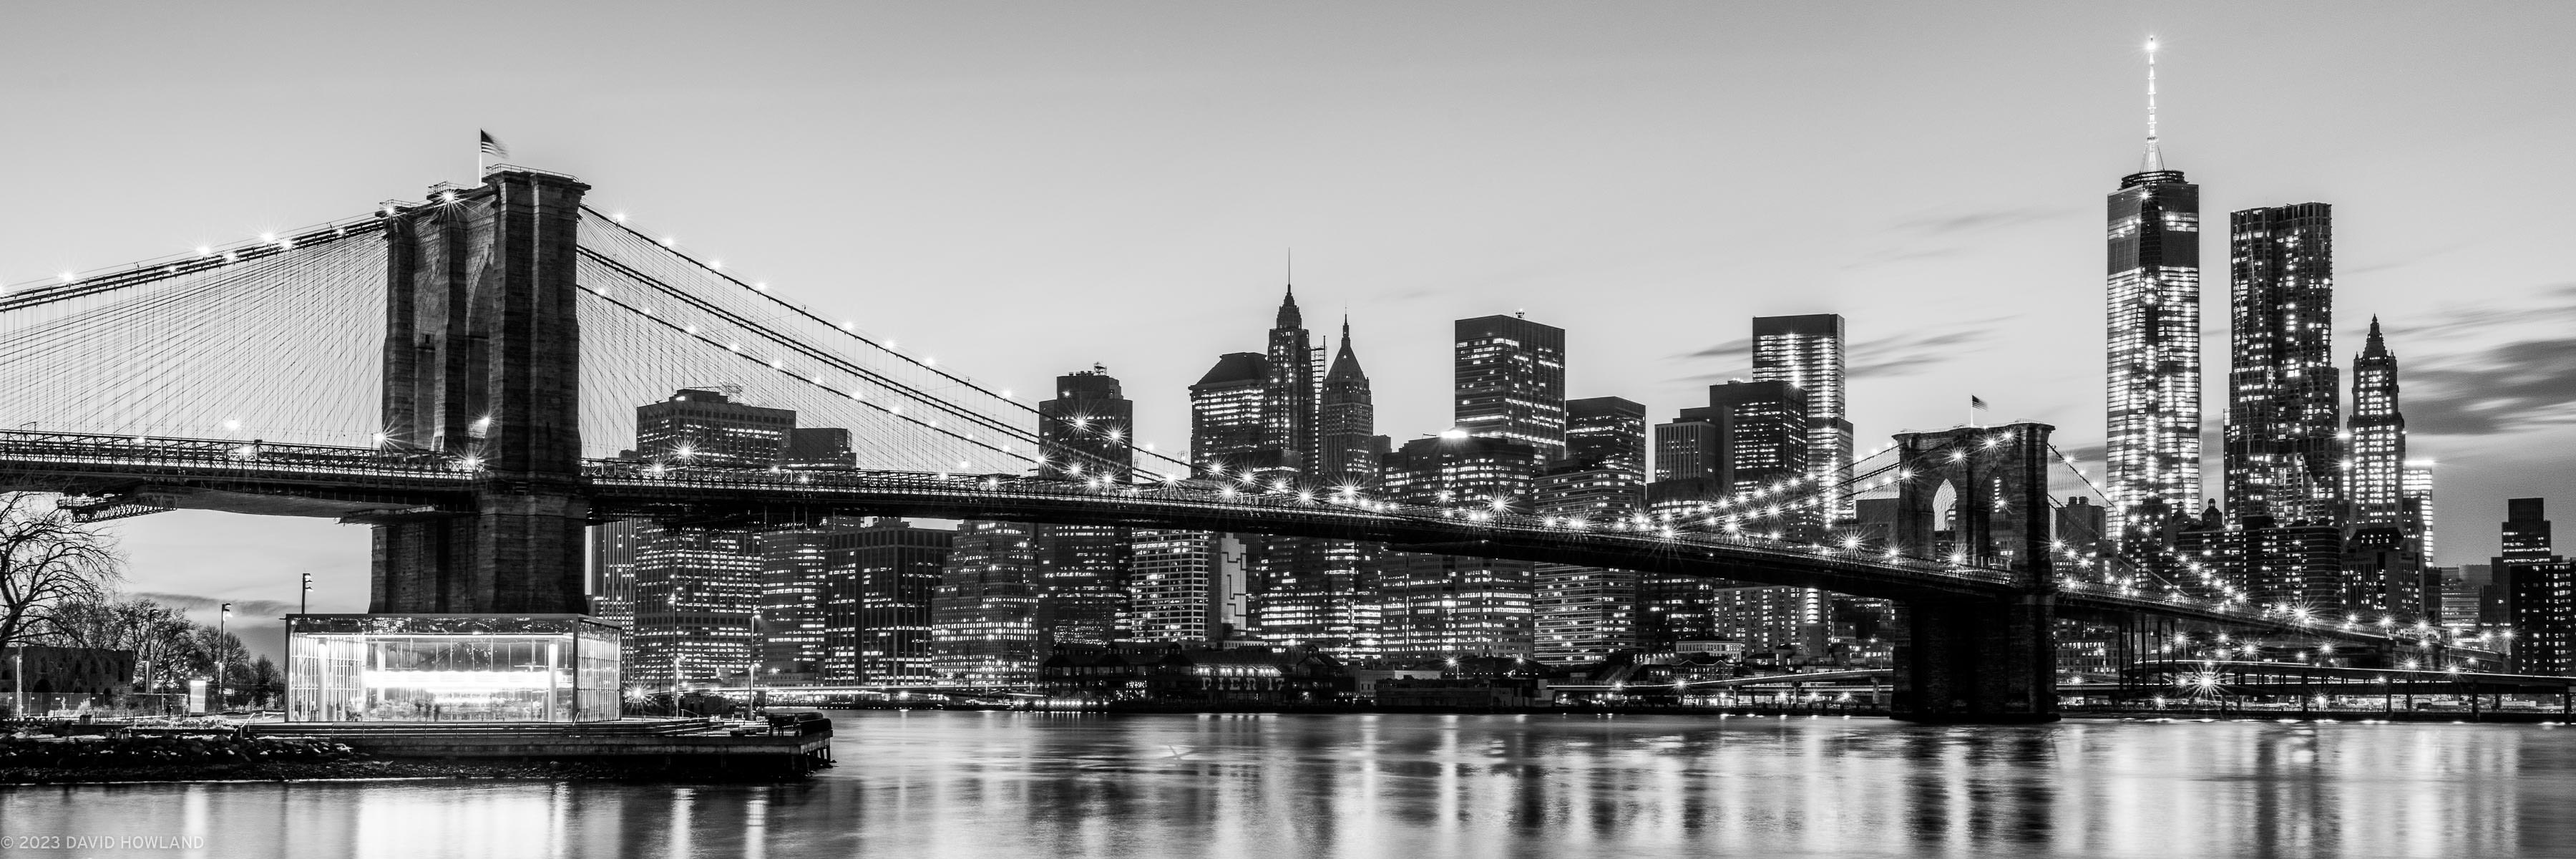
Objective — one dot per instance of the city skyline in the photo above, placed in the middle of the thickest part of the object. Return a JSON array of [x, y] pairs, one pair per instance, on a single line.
[[1950, 348]]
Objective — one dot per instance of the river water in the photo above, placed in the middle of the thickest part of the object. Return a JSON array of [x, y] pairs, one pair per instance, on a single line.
[[930, 785]]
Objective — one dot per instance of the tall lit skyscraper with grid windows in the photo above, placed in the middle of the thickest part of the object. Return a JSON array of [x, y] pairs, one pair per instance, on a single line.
[[2282, 454], [1807, 351], [2153, 426], [1511, 383]]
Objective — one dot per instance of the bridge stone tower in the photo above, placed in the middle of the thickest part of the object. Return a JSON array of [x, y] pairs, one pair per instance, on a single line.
[[1978, 659], [482, 358]]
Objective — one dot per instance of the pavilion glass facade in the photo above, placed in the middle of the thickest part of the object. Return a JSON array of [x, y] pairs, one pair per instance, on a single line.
[[451, 668]]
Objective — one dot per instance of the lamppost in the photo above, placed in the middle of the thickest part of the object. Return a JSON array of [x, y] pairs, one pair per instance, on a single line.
[[303, 605], [222, 621]]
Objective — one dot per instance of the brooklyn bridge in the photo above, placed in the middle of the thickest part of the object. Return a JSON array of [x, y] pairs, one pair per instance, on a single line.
[[454, 373]]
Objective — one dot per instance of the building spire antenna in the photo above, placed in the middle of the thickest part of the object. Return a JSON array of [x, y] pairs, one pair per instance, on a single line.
[[2155, 159]]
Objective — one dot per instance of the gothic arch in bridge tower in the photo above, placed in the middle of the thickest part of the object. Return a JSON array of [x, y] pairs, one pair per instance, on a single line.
[[1978, 660], [1998, 477]]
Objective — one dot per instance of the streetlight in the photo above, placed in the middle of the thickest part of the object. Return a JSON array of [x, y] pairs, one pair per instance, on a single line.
[[221, 621]]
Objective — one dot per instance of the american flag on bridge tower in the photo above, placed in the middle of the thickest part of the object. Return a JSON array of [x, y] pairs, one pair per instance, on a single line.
[[493, 147]]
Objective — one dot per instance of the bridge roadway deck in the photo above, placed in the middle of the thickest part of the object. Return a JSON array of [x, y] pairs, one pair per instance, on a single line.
[[269, 478]]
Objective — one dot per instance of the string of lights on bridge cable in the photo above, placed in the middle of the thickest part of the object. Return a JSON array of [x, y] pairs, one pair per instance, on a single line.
[[2225, 596], [850, 330]]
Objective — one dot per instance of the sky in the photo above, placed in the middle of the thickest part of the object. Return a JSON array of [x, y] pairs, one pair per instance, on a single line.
[[1027, 189]]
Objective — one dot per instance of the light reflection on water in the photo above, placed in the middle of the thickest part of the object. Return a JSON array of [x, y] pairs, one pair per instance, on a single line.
[[936, 785]]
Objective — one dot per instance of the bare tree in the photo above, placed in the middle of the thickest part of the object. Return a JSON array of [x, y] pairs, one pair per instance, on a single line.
[[47, 562], [159, 635]]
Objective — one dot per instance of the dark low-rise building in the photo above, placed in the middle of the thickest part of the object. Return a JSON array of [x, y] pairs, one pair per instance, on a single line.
[[56, 678], [1170, 672]]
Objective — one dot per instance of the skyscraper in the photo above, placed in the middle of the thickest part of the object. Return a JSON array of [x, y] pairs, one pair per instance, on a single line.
[[1187, 587], [818, 447], [984, 614], [1807, 352], [1752, 436], [2540, 592], [1086, 430], [1455, 469], [877, 608], [1317, 593], [2282, 457], [1511, 383], [2376, 479], [1438, 606], [1289, 395], [612, 571], [1348, 453], [795, 585], [1583, 614], [2153, 427], [1609, 431], [1229, 427], [701, 426], [695, 592], [2419, 491]]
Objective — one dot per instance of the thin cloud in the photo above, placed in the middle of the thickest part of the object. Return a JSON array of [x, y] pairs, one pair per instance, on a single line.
[[2555, 303], [2399, 262], [1941, 225], [1737, 346], [2502, 389], [1907, 354], [1900, 355], [1889, 257], [1942, 231], [193, 602]]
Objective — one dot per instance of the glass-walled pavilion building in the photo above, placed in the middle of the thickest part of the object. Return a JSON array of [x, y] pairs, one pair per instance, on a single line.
[[450, 668]]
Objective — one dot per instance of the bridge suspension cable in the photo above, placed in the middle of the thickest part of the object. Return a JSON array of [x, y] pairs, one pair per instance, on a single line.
[[723, 311], [275, 339]]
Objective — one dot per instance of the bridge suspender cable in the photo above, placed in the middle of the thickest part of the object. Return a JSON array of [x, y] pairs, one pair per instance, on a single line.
[[832, 358]]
